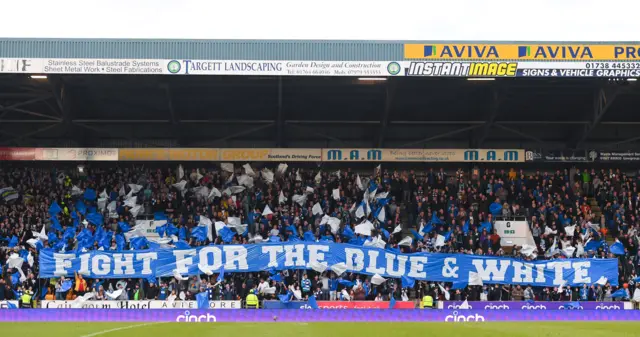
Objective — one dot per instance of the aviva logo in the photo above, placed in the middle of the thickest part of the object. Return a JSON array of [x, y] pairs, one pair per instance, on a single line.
[[556, 52], [454, 51]]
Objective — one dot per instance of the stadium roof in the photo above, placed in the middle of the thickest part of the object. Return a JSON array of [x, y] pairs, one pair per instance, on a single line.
[[315, 50], [238, 111]]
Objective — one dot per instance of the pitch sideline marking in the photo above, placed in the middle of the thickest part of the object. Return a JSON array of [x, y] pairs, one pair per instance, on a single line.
[[117, 329]]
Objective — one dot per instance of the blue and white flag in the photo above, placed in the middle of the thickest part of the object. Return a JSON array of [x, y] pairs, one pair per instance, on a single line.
[[617, 248], [203, 300], [312, 302]]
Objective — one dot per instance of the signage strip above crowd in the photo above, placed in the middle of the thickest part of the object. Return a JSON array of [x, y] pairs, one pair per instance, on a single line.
[[262, 155], [426, 60]]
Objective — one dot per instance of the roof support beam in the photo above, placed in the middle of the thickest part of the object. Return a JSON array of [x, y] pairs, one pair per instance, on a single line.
[[602, 100], [384, 120], [497, 97], [280, 141], [519, 133]]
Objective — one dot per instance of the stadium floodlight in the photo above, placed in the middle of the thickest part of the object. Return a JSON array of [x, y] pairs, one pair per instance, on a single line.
[[38, 77], [632, 79], [480, 79], [372, 79]]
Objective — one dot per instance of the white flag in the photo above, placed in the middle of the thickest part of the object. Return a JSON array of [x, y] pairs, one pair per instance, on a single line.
[[104, 194], [580, 250], [282, 168], [528, 250], [359, 183], [135, 188], [345, 294], [475, 279], [447, 296], [299, 199], [178, 276], [336, 194], [440, 241], [398, 229], [548, 231], [115, 294], [317, 209], [364, 228], [561, 288], [382, 215], [308, 190], [206, 222], [339, 268], [407, 241], [360, 211], [266, 211], [281, 198], [570, 230], [318, 178], [248, 170], [375, 242], [102, 203], [602, 281], [267, 175], [568, 251], [334, 223], [180, 186], [228, 167], [236, 189], [180, 172], [215, 193], [131, 202], [377, 279], [136, 210], [464, 305], [122, 192], [112, 207], [198, 175], [298, 177], [320, 267], [75, 190], [245, 180]]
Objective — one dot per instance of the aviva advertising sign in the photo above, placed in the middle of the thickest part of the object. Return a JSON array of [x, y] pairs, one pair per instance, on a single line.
[[538, 52]]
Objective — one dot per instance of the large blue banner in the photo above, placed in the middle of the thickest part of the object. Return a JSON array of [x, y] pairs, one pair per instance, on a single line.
[[458, 268]]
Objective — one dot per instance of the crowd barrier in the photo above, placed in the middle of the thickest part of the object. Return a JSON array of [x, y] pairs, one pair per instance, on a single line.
[[298, 316]]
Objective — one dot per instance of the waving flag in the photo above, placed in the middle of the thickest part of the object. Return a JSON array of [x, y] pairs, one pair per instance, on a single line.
[[312, 302], [620, 293], [120, 242], [182, 245], [392, 302], [66, 285], [408, 282], [221, 275], [203, 300], [416, 235], [617, 248], [90, 194], [495, 209], [95, 218], [13, 242], [139, 242], [226, 234], [465, 227], [486, 225], [309, 236], [81, 207], [199, 233], [124, 227], [54, 209]]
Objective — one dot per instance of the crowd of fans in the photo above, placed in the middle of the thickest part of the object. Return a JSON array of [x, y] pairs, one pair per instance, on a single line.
[[426, 204]]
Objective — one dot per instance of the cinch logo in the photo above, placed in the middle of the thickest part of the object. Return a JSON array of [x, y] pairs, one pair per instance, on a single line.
[[497, 307], [607, 307], [571, 307], [463, 318], [534, 307], [188, 318], [458, 307]]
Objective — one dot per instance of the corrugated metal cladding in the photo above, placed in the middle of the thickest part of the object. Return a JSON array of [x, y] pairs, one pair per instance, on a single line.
[[203, 49]]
